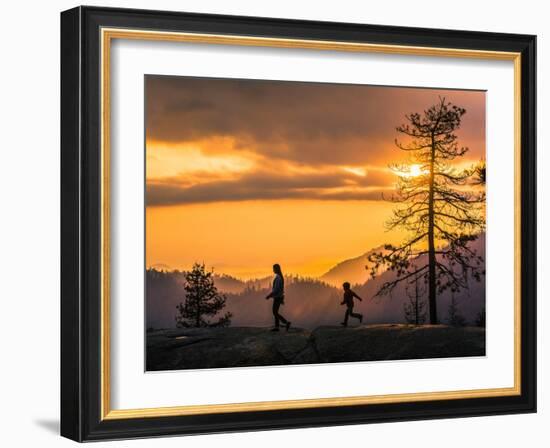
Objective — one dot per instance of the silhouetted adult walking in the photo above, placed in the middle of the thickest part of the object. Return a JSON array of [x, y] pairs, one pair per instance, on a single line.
[[278, 295]]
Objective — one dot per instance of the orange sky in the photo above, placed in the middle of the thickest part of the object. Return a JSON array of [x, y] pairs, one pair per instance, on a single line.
[[242, 174]]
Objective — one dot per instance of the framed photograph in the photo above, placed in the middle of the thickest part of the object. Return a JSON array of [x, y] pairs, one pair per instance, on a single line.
[[273, 223]]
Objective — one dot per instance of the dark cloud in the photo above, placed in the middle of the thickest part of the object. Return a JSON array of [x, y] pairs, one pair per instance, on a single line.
[[338, 185], [313, 123], [315, 128]]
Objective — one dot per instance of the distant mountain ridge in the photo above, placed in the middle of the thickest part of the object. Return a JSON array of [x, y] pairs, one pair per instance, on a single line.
[[351, 270]]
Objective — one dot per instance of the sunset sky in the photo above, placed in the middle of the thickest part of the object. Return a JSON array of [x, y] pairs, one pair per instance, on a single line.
[[242, 174]]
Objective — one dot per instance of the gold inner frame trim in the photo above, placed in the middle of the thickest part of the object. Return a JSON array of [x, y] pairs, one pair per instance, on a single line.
[[107, 35]]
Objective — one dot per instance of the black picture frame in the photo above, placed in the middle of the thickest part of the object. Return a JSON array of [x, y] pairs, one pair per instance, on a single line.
[[81, 230]]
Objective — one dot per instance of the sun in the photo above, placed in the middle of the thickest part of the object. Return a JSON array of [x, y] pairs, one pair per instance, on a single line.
[[415, 170], [408, 171]]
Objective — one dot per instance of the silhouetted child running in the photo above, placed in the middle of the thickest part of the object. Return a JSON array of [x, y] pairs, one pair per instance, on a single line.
[[348, 301]]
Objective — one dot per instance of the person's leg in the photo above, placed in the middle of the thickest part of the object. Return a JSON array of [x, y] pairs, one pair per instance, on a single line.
[[276, 305], [346, 317], [356, 315], [279, 316]]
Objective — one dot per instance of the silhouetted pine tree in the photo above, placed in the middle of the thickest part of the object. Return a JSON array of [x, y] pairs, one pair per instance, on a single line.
[[415, 310], [201, 299], [454, 318], [481, 318], [480, 173], [435, 207]]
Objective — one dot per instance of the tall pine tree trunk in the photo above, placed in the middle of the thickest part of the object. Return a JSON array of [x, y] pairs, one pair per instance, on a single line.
[[198, 316], [416, 316], [432, 293]]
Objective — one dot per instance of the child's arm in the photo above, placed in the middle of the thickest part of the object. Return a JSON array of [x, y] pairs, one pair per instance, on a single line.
[[355, 295]]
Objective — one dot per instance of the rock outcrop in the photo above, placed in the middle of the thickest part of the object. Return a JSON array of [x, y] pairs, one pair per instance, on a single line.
[[200, 348]]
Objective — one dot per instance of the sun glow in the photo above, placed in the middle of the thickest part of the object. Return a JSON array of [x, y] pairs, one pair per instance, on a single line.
[[413, 170], [416, 170], [358, 171], [169, 160]]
